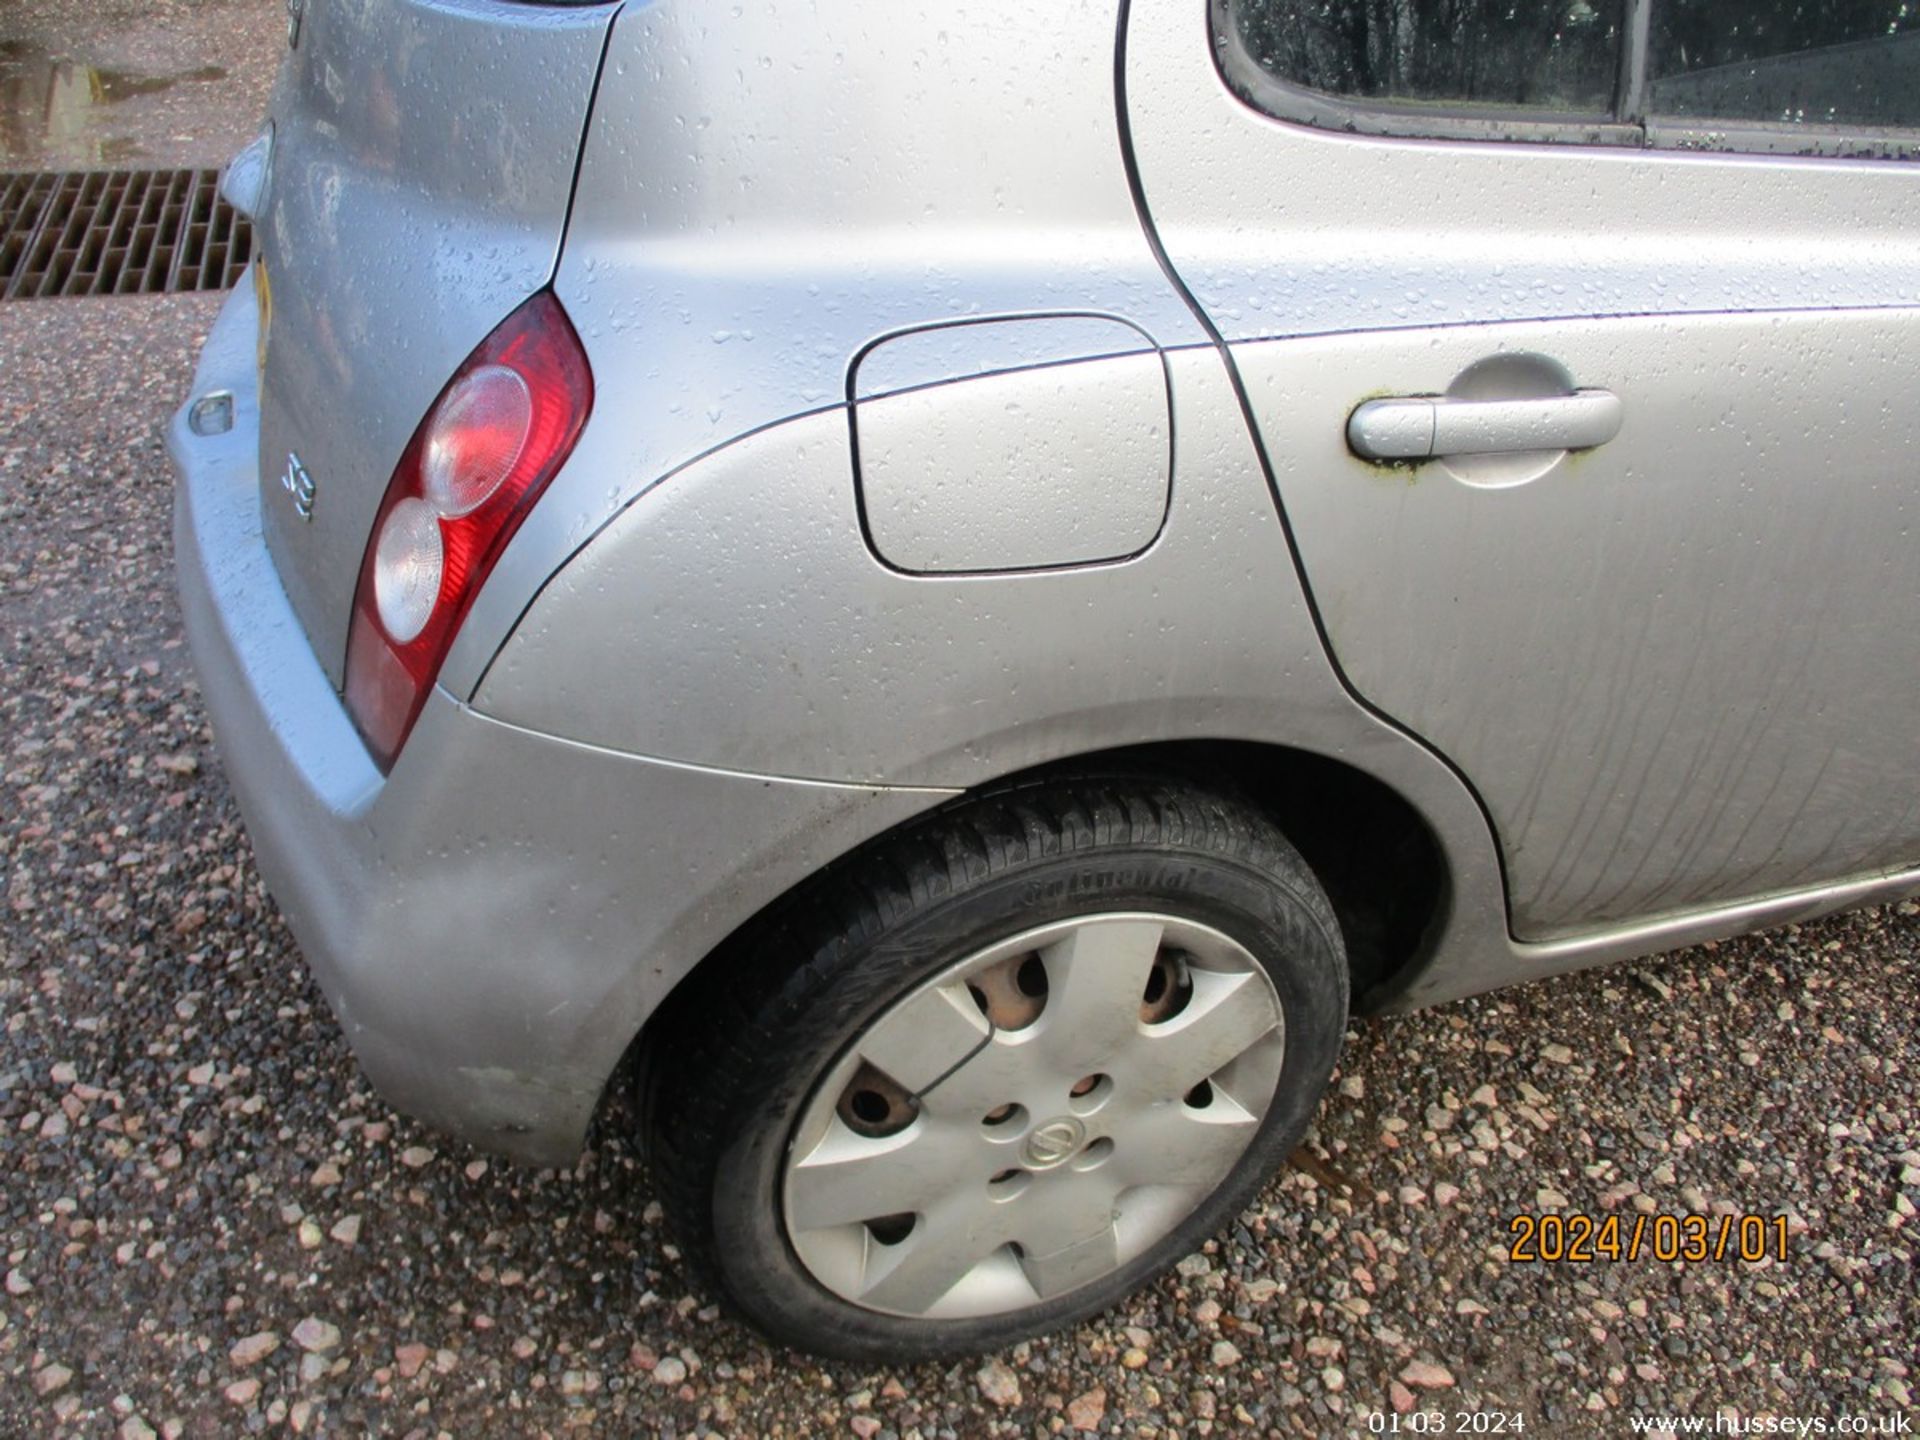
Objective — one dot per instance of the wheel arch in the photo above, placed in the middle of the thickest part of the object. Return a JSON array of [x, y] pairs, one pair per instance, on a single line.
[[1381, 862]]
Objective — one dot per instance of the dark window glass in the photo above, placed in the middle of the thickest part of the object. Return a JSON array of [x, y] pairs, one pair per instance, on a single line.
[[1822, 62], [1553, 55]]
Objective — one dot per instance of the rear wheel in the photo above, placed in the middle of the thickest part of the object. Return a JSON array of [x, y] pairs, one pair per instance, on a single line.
[[1000, 1070]]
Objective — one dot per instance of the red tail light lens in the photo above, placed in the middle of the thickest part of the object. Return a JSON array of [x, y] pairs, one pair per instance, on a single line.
[[496, 435]]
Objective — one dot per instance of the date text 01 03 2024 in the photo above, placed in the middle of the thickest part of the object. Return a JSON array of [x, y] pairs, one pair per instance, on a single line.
[[1587, 1239], [1447, 1422]]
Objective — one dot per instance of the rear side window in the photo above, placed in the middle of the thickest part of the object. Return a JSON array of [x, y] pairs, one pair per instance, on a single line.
[[1792, 62], [1555, 56], [1807, 76]]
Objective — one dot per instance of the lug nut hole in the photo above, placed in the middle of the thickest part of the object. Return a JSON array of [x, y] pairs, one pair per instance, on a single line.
[[1169, 987], [1089, 1093], [1008, 1183], [1095, 1155], [1011, 992], [1004, 1122], [875, 1104]]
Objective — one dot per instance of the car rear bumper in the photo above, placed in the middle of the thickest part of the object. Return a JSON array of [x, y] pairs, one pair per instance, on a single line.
[[492, 922]]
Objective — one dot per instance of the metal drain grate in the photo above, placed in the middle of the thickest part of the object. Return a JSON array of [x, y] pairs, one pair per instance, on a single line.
[[118, 232]]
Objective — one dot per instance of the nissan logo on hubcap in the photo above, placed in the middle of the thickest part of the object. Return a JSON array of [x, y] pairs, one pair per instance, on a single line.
[[1054, 1142]]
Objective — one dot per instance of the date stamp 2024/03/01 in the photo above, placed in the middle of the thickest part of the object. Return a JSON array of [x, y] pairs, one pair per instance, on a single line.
[[1580, 1239]]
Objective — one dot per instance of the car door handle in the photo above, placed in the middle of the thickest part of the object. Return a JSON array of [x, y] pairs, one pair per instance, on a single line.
[[1420, 427]]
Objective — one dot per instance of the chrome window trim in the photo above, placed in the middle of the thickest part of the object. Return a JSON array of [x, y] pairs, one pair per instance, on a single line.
[[1752, 137], [1398, 119]]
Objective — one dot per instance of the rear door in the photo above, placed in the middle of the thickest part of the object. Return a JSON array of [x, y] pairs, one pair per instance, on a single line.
[[1624, 296]]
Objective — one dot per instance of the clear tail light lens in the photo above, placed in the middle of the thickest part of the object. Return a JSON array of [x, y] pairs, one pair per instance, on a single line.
[[409, 562], [497, 434], [477, 437]]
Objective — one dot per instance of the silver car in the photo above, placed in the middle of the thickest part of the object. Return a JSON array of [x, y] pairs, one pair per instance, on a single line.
[[961, 586]]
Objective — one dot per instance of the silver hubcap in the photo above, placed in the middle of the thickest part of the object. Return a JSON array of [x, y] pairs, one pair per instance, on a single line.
[[1034, 1117]]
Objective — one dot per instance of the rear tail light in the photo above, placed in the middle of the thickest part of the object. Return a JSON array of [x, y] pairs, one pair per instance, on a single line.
[[497, 434]]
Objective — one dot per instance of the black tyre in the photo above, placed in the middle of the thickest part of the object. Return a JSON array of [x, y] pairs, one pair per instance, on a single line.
[[998, 1070]]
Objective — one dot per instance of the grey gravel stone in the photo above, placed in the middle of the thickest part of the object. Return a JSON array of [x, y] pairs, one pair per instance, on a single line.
[[998, 1383], [51, 1380], [253, 1348], [316, 1335]]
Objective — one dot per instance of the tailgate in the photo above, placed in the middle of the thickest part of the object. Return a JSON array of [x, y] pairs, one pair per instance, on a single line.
[[423, 161]]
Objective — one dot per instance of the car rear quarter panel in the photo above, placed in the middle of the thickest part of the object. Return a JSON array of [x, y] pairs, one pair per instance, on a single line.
[[761, 195], [734, 247]]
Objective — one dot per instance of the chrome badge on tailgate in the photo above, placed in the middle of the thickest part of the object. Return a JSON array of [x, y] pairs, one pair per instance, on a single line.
[[298, 483]]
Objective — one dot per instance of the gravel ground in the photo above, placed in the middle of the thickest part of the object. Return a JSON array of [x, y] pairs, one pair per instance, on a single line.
[[211, 1226]]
